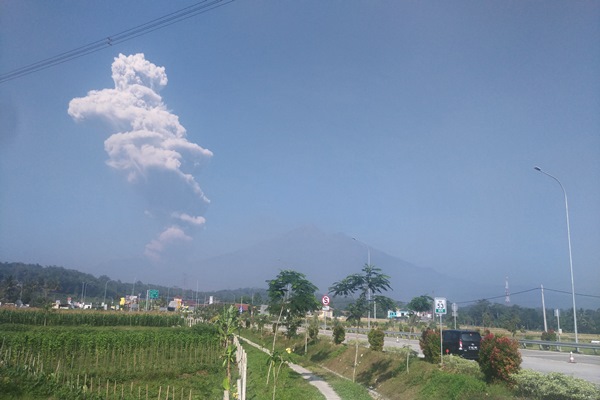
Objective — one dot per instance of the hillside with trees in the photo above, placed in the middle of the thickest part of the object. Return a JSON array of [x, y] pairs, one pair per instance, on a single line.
[[38, 286]]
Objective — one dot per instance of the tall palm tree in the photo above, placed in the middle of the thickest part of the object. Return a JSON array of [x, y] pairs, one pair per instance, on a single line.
[[370, 281]]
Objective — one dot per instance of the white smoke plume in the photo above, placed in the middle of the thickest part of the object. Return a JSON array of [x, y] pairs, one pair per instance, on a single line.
[[169, 236], [152, 148]]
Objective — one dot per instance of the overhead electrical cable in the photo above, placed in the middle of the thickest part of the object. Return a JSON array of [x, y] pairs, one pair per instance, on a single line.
[[143, 29], [497, 297], [526, 291], [576, 294]]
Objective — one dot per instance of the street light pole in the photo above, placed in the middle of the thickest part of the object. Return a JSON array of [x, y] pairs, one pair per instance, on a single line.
[[368, 289], [104, 299], [569, 240]]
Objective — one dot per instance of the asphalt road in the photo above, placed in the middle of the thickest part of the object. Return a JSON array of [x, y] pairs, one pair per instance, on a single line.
[[585, 367]]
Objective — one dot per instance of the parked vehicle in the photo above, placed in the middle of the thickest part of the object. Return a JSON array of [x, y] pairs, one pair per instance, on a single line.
[[462, 343]]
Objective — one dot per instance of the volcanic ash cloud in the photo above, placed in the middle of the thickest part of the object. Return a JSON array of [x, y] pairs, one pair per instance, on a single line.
[[152, 149]]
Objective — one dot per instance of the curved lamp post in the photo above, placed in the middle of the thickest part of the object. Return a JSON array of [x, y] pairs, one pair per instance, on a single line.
[[83, 290], [104, 299], [368, 290], [569, 239]]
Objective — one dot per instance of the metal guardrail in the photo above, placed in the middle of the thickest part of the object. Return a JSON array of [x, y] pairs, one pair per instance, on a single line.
[[545, 345], [404, 335]]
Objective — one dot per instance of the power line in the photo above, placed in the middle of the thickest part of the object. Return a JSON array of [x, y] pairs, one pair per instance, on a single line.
[[132, 33], [526, 291], [576, 294], [496, 297]]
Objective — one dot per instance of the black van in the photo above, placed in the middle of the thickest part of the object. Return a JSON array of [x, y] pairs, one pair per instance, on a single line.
[[462, 343]]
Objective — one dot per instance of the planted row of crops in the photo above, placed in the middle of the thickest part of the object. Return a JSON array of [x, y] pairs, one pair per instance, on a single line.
[[117, 362], [87, 317]]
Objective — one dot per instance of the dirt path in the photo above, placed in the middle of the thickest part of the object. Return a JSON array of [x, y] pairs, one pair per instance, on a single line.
[[314, 380]]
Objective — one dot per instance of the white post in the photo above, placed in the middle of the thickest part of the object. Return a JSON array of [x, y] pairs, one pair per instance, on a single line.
[[544, 310], [441, 343], [557, 313]]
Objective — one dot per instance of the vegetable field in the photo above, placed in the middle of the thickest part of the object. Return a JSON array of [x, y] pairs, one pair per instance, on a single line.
[[100, 362], [89, 318]]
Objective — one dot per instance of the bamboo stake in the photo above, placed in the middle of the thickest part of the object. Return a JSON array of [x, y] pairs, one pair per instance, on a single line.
[[159, 390], [57, 370]]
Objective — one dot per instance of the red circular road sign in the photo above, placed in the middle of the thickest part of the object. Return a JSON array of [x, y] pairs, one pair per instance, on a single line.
[[325, 300]]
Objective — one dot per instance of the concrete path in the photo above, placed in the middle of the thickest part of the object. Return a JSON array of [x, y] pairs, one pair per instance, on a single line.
[[314, 380]]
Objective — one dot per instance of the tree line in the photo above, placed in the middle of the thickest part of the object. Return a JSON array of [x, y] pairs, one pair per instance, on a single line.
[[357, 295], [38, 286]]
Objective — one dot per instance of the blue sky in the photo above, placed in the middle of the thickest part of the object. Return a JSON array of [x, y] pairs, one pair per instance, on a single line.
[[413, 126]]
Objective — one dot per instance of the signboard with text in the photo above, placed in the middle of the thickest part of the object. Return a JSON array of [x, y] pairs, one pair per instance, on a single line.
[[440, 305]]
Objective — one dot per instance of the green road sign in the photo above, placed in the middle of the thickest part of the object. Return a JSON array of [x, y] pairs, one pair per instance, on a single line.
[[153, 293], [440, 305]]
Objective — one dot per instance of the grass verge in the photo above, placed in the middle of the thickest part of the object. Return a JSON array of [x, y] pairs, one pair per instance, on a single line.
[[388, 373], [289, 384]]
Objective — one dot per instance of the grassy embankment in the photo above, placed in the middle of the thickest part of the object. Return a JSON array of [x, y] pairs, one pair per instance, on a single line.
[[388, 373]]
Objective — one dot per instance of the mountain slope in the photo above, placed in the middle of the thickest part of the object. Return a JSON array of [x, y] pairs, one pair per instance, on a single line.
[[324, 259]]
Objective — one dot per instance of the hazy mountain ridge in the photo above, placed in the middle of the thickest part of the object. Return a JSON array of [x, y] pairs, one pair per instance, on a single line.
[[325, 259]]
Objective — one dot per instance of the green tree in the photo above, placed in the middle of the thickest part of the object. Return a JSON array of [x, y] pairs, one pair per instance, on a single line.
[[371, 280], [291, 296], [313, 328], [421, 303], [384, 304], [227, 322], [339, 333], [261, 321], [376, 339], [430, 345]]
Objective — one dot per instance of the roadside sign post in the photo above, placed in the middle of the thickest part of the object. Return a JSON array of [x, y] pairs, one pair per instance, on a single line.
[[151, 294], [325, 300], [440, 309], [557, 315]]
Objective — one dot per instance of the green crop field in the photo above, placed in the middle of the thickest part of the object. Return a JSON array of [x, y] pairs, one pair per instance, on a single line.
[[69, 361]]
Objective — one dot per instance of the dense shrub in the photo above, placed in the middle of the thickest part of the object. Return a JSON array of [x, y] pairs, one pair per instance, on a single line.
[[430, 345], [554, 386], [313, 329], [339, 333], [499, 357], [459, 365], [376, 338], [549, 336]]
